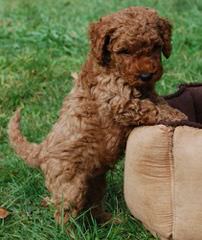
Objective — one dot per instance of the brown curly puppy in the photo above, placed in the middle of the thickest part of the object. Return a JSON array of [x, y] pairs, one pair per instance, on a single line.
[[113, 93]]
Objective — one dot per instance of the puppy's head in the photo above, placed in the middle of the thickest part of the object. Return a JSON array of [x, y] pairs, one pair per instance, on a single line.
[[130, 42]]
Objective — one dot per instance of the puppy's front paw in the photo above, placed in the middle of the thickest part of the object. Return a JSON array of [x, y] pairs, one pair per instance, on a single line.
[[180, 116], [103, 217]]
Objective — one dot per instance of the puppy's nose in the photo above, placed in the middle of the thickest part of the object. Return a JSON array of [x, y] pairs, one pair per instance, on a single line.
[[146, 76]]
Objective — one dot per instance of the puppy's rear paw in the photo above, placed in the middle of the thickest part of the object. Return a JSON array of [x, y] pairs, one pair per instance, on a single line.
[[103, 217]]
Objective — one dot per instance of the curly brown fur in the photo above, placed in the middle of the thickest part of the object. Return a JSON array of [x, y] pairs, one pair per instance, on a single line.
[[108, 99]]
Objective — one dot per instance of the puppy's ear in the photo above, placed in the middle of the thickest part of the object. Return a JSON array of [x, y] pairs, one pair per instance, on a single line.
[[99, 34], [165, 28]]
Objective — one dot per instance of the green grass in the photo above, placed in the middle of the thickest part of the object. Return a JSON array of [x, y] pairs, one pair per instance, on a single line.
[[41, 43]]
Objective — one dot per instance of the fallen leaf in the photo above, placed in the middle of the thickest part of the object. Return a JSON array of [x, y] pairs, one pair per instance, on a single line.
[[3, 213]]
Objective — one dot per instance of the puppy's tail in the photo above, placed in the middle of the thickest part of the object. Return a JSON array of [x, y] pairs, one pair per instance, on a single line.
[[26, 150]]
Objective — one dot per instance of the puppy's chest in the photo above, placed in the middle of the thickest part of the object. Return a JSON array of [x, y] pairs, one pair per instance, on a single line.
[[114, 139]]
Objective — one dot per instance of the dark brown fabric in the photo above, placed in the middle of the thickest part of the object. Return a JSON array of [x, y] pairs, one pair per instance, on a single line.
[[188, 99]]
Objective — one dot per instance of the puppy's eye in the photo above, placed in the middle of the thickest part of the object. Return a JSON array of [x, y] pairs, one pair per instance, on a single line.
[[123, 51]]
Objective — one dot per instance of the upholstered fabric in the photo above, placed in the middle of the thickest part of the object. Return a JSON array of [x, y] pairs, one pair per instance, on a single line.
[[163, 180]]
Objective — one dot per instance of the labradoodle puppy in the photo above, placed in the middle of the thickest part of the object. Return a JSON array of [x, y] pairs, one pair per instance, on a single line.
[[113, 93]]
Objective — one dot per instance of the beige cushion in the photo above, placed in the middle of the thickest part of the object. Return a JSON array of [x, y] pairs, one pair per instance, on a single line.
[[163, 180]]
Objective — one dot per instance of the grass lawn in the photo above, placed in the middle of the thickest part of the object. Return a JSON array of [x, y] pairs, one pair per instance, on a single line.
[[41, 43]]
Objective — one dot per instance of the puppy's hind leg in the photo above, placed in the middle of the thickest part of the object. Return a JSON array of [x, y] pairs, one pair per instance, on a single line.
[[96, 191], [70, 198]]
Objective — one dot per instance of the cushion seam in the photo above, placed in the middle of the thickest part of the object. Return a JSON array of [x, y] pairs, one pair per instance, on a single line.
[[172, 175]]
